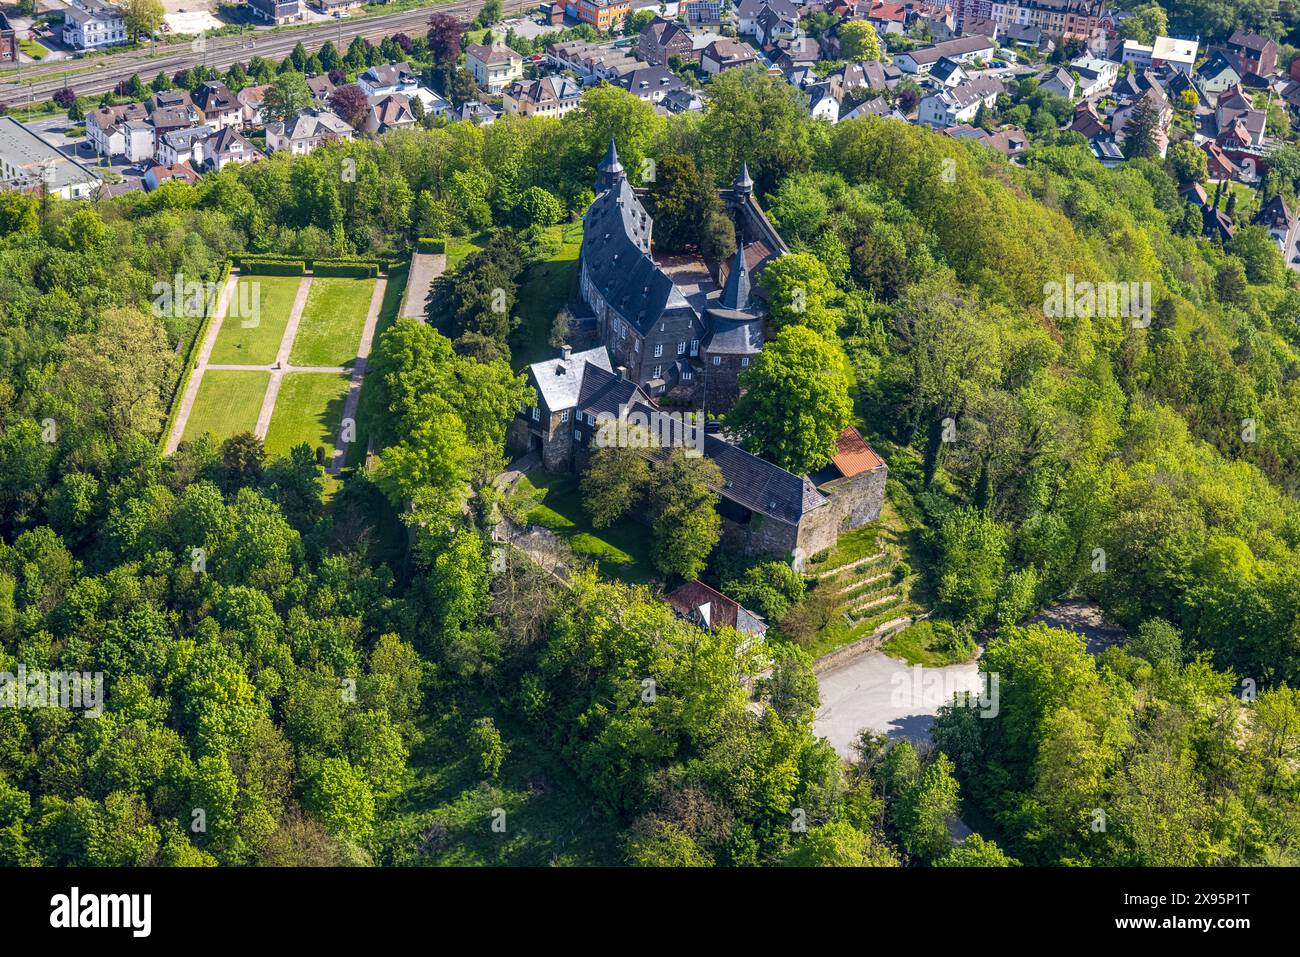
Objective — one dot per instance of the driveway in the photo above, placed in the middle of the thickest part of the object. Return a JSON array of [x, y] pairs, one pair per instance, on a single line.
[[887, 695]]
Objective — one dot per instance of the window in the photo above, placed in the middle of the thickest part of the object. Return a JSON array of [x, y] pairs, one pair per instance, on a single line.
[[591, 418], [537, 414], [688, 375], [681, 348], [577, 435], [717, 360], [695, 347], [659, 349], [657, 372], [744, 362], [564, 416]]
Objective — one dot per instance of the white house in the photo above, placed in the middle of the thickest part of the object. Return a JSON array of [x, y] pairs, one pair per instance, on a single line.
[[1096, 76], [950, 107], [93, 24], [1179, 54], [30, 163], [306, 131], [494, 67], [181, 146], [121, 131], [387, 79], [962, 50]]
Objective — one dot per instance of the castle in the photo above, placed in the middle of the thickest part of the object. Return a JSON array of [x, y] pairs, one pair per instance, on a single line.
[[662, 321], [692, 343]]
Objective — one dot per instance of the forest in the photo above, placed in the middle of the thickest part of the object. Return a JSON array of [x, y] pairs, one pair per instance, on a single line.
[[298, 674]]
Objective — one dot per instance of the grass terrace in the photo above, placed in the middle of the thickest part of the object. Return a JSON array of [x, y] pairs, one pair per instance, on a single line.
[[332, 320], [308, 409], [555, 502], [243, 341], [227, 404]]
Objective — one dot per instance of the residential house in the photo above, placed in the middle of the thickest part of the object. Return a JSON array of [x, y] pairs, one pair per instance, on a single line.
[[158, 174], [390, 112], [1171, 51], [1027, 38], [31, 163], [650, 83], [1070, 19], [601, 14], [702, 14], [276, 11], [1220, 72], [321, 87], [593, 62], [662, 39], [1096, 76], [682, 101], [1155, 98], [228, 146], [823, 103], [948, 73], [93, 25], [121, 131], [949, 107], [727, 54], [795, 53], [1235, 119], [1060, 82], [962, 50], [886, 18], [250, 104], [782, 19], [480, 114], [494, 67], [1256, 53], [549, 96], [876, 107], [306, 131], [1009, 141], [1219, 166], [221, 109], [8, 41], [708, 608], [388, 78], [1276, 215], [183, 146]]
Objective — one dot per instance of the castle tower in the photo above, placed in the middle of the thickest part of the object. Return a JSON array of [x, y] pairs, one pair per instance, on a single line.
[[610, 171]]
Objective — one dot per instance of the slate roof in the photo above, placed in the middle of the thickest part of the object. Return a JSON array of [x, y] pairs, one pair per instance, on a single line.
[[616, 255], [606, 392], [751, 482], [559, 381], [1275, 214]]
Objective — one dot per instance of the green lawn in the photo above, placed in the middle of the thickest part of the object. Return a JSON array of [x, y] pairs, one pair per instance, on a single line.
[[308, 409], [388, 311], [227, 403], [457, 249], [555, 502], [332, 320], [253, 339], [33, 49], [542, 292], [921, 644]]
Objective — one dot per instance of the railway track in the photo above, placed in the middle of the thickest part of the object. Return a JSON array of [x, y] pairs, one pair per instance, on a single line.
[[220, 53]]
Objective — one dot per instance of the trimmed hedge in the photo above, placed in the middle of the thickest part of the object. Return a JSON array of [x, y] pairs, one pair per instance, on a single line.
[[346, 268], [191, 357], [430, 245], [268, 266]]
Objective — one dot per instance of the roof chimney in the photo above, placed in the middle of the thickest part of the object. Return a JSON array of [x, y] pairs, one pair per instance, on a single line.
[[622, 372], [565, 351]]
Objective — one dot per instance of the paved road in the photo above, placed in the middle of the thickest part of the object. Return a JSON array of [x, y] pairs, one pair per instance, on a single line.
[[105, 72], [886, 695]]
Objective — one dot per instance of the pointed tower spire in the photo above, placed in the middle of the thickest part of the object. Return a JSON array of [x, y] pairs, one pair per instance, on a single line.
[[610, 170], [742, 184], [735, 294]]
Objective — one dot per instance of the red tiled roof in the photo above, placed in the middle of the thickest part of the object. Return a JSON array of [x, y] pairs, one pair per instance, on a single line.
[[687, 598], [854, 456]]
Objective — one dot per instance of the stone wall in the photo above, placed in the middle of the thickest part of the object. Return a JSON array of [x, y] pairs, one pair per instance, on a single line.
[[721, 382], [857, 501]]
